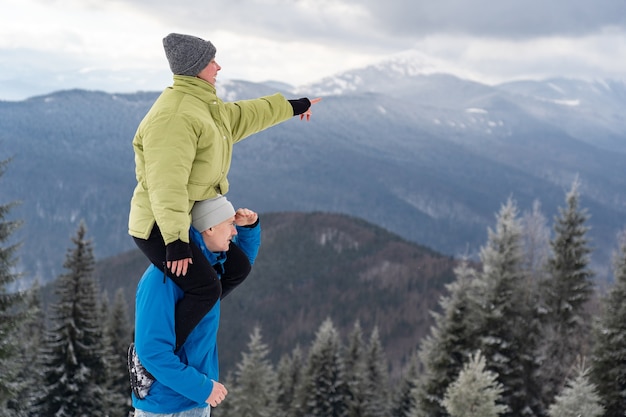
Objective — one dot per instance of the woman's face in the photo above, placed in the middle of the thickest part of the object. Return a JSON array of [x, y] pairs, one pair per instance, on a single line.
[[209, 73]]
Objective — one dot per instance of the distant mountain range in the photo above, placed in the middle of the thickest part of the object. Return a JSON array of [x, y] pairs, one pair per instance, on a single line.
[[428, 156]]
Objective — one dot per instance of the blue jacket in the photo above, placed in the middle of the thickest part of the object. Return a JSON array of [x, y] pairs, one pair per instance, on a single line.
[[184, 379]]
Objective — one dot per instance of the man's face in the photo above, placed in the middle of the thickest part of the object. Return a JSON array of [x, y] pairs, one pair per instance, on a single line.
[[209, 73], [217, 238]]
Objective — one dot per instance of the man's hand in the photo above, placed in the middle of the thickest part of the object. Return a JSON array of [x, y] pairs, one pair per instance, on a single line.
[[217, 395], [245, 217]]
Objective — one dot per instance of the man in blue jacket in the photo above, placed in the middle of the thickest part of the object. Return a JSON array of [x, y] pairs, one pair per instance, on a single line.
[[184, 382]]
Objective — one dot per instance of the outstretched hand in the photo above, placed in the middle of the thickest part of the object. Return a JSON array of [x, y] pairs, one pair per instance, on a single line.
[[307, 113]]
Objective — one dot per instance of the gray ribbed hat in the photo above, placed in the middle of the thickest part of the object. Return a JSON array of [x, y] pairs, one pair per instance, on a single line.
[[187, 55], [208, 213]]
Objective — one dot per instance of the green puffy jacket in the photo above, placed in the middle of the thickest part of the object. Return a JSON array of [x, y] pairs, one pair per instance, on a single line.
[[183, 149]]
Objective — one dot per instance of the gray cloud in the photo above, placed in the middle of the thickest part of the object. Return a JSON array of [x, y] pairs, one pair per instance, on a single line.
[[502, 19], [380, 24]]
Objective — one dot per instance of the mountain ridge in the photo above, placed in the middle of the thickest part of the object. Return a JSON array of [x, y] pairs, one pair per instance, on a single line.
[[430, 157]]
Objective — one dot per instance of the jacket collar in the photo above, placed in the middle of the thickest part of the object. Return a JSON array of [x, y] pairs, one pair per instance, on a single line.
[[195, 86], [213, 257]]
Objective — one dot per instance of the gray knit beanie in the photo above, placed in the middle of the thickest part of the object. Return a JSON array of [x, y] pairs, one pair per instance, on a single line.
[[208, 213], [187, 55]]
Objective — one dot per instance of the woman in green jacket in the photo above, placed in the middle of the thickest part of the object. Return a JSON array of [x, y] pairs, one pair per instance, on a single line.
[[183, 150]]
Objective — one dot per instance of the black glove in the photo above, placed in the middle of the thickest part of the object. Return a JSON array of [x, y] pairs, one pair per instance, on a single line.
[[300, 105], [177, 250]]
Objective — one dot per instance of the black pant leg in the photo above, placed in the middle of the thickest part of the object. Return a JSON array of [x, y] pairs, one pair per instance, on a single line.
[[153, 247]]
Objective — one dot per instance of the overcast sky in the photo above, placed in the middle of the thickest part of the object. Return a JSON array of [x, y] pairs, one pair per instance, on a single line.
[[115, 45]]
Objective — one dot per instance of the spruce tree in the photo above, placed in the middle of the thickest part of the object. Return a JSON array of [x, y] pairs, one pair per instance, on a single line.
[[375, 379], [74, 382], [289, 372], [536, 243], [254, 393], [578, 398], [11, 306], [32, 332], [608, 360], [566, 292], [354, 372], [323, 389], [476, 392], [404, 401], [452, 338], [507, 338], [117, 336]]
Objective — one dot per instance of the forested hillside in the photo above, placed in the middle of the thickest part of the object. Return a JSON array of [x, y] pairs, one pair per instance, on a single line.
[[528, 321], [316, 266]]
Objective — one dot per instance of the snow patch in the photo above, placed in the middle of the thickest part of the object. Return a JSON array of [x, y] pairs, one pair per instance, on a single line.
[[570, 103], [476, 110], [603, 84], [561, 102], [556, 88], [338, 240]]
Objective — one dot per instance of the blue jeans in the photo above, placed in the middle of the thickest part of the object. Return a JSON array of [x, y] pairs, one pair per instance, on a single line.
[[194, 412]]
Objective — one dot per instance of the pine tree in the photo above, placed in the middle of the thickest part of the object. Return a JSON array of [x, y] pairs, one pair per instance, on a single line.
[[323, 388], [10, 308], [117, 336], [476, 392], [74, 371], [404, 402], [536, 243], [566, 292], [254, 393], [376, 379], [354, 373], [452, 338], [289, 373], [608, 360], [579, 398], [32, 332], [507, 338]]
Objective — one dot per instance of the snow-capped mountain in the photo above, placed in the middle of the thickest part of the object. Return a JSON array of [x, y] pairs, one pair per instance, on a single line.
[[383, 77], [590, 111]]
